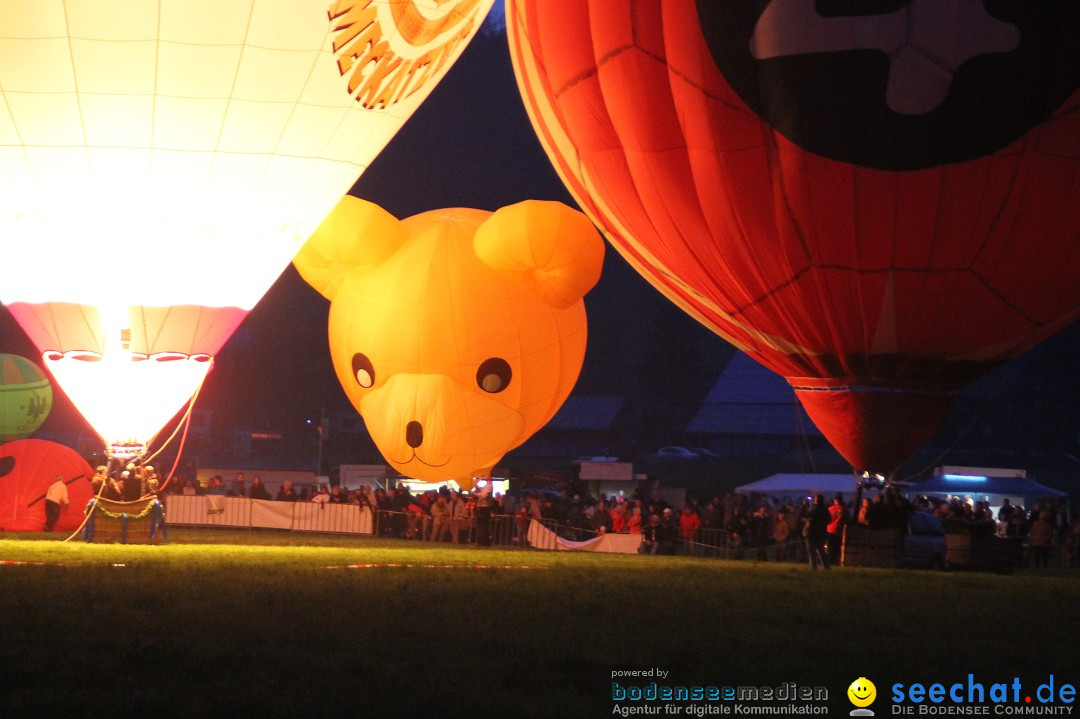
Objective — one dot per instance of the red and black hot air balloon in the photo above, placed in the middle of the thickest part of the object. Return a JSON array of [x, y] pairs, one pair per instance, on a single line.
[[878, 200], [27, 468]]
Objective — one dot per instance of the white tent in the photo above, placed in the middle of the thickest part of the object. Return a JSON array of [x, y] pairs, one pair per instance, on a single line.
[[802, 485]]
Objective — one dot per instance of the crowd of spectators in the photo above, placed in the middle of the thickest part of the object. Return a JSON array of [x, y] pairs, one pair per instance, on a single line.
[[735, 525]]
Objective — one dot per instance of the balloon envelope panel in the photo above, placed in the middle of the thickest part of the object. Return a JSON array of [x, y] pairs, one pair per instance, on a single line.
[[876, 230]]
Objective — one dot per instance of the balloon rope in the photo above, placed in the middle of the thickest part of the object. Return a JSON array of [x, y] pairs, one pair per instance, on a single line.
[[186, 422], [804, 438], [959, 436], [182, 423], [179, 452], [86, 515]]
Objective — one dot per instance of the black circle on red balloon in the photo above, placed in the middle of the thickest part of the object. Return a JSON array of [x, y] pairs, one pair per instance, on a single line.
[[833, 103]]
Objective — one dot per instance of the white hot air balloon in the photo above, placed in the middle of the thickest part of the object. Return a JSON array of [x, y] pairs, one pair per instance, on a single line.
[[161, 161]]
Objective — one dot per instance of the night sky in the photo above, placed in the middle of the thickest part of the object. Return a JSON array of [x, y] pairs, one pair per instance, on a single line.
[[471, 145]]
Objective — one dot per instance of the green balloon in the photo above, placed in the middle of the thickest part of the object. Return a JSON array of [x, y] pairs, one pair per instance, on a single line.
[[25, 397]]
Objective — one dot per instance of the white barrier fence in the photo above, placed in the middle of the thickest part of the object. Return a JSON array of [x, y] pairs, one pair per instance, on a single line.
[[220, 511]]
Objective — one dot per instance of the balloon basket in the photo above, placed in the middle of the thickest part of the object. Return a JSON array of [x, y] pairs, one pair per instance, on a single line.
[[864, 547], [138, 522]]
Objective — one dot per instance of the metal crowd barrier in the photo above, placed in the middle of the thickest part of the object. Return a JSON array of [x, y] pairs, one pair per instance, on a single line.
[[506, 530]]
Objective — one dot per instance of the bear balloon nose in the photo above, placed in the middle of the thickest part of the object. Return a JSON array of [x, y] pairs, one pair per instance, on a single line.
[[414, 434]]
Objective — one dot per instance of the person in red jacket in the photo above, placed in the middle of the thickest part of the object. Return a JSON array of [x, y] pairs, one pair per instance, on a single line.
[[689, 522], [618, 517], [837, 519]]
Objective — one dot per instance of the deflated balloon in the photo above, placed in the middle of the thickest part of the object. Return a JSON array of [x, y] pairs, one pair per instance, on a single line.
[[27, 468]]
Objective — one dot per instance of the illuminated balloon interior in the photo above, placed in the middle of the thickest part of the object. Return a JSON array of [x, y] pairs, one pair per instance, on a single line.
[[161, 163]]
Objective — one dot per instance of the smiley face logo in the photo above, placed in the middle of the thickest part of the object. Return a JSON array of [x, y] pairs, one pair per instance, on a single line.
[[862, 692]]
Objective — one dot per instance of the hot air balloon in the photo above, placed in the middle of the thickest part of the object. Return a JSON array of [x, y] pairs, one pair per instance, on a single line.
[[25, 397], [455, 333], [878, 201], [27, 468], [162, 161]]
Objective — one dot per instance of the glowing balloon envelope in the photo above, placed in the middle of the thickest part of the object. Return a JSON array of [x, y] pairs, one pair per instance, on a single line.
[[25, 397], [878, 204], [455, 333], [161, 161]]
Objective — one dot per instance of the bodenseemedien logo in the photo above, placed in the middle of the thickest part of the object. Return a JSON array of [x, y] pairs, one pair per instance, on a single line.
[[862, 693], [669, 697]]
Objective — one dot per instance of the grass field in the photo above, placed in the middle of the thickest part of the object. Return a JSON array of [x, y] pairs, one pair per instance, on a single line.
[[256, 624]]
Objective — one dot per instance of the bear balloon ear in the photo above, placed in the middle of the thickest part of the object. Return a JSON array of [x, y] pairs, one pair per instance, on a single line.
[[355, 237], [547, 244]]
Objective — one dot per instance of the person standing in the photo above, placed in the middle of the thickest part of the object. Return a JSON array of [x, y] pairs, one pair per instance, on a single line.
[[440, 519], [258, 489], [601, 519], [1004, 518], [239, 487], [669, 531], [689, 523], [322, 497], [835, 528], [817, 534], [1039, 539], [484, 510], [650, 536], [780, 534], [56, 497], [459, 516], [286, 493]]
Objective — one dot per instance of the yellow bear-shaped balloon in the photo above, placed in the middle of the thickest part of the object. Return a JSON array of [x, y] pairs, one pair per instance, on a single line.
[[455, 333]]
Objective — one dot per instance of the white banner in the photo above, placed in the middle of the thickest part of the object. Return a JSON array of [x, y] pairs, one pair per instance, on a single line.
[[271, 515], [543, 538]]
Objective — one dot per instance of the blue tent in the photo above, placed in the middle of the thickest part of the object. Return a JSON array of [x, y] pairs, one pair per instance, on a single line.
[[802, 485], [1006, 486]]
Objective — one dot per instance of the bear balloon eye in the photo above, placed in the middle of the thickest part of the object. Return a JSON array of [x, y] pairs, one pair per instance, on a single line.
[[493, 375], [363, 370]]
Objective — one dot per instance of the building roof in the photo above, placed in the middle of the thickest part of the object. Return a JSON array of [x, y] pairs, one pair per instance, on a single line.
[[746, 381], [749, 399], [594, 413]]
